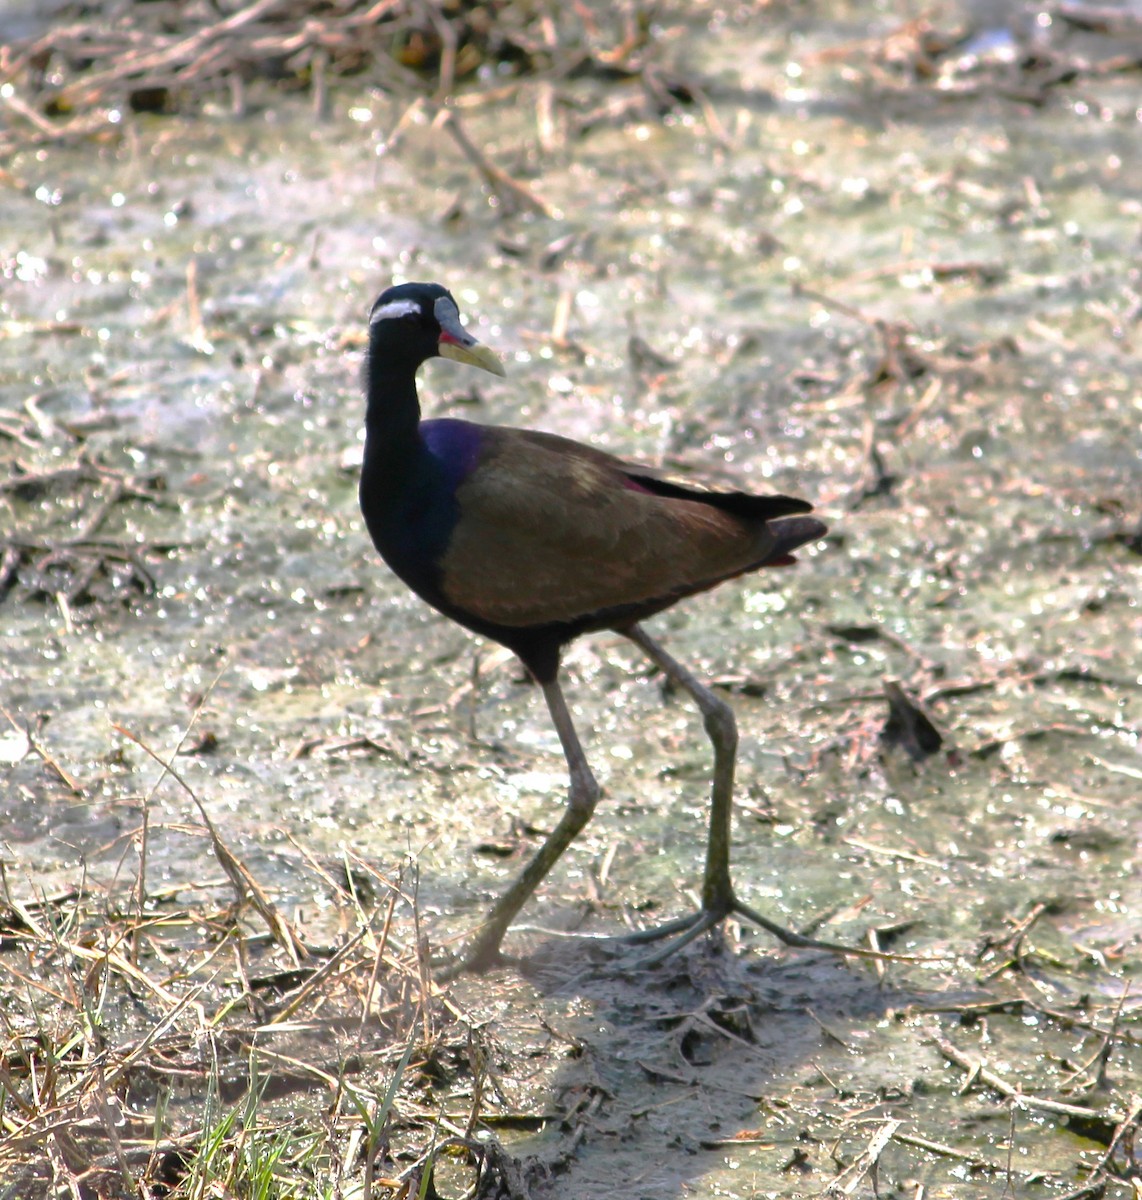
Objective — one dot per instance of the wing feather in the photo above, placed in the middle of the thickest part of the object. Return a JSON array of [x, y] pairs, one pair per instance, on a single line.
[[550, 530]]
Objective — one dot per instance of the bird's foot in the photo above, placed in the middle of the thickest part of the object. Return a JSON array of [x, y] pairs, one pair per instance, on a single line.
[[484, 953], [683, 930], [475, 959]]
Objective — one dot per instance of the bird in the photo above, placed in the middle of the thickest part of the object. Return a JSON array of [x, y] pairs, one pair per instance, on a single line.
[[531, 539]]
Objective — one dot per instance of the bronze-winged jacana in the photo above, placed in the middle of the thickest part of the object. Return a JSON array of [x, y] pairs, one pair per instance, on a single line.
[[531, 540]]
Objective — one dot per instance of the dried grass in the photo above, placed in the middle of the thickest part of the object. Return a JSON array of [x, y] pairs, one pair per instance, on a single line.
[[156, 1049]]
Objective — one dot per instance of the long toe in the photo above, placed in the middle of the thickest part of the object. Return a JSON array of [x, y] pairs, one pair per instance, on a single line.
[[790, 937], [683, 930], [680, 933], [656, 933]]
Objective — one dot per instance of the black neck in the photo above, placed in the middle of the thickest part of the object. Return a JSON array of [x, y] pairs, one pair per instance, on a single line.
[[392, 414]]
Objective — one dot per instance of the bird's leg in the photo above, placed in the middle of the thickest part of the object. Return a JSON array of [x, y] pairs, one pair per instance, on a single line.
[[718, 717], [582, 796], [718, 899]]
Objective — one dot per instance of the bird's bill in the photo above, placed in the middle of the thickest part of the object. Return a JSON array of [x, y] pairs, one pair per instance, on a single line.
[[459, 345], [474, 354]]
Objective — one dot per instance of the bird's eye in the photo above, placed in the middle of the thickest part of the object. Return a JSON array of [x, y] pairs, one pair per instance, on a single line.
[[411, 318]]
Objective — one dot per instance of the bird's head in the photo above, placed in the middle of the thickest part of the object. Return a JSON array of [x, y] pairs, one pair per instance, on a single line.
[[417, 321]]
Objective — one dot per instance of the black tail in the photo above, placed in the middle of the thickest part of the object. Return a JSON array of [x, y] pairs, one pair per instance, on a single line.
[[741, 504], [790, 533]]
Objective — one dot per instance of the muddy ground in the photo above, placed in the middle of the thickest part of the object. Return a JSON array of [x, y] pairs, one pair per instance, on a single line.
[[842, 256]]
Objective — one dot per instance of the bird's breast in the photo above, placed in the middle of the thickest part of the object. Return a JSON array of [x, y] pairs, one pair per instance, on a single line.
[[409, 498]]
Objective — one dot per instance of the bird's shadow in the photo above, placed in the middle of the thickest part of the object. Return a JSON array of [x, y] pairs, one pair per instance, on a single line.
[[667, 1070]]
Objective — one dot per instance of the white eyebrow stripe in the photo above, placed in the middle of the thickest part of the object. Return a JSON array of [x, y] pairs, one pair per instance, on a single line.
[[394, 308]]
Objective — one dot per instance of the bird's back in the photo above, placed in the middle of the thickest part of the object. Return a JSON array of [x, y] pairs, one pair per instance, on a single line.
[[548, 530]]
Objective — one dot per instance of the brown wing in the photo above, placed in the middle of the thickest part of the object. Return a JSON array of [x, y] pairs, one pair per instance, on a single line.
[[551, 530]]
